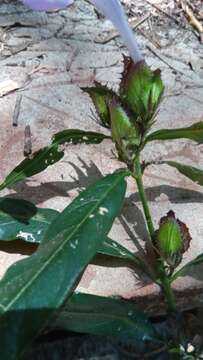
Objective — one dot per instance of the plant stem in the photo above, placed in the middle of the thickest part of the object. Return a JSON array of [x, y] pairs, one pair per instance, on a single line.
[[137, 174], [168, 292], [164, 279]]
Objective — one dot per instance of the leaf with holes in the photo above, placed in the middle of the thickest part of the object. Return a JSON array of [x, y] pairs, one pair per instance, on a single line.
[[194, 132], [39, 161], [78, 137], [22, 219], [49, 155], [34, 289], [118, 319], [191, 172]]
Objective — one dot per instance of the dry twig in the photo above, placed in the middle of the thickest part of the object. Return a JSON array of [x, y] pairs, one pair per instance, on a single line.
[[192, 19], [17, 110], [27, 141]]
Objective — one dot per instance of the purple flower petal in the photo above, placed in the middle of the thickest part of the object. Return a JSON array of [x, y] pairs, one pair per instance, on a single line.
[[47, 4], [112, 9]]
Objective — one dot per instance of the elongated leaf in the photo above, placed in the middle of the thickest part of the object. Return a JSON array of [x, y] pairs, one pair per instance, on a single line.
[[39, 161], [22, 219], [194, 132], [191, 172], [76, 136], [49, 155], [120, 320], [34, 289], [110, 247], [185, 270]]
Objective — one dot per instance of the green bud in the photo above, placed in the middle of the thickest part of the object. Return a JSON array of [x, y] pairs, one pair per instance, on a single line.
[[169, 238], [141, 90], [125, 134], [172, 239], [101, 96]]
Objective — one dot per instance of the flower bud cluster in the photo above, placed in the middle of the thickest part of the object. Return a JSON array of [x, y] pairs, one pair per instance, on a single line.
[[130, 113]]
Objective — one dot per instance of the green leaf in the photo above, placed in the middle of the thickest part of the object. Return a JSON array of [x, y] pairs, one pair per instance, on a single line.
[[118, 319], [49, 155], [194, 132], [22, 219], [110, 247], [39, 161], [191, 172], [78, 137], [185, 270], [34, 289]]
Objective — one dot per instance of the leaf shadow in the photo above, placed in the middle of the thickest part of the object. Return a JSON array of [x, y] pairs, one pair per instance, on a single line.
[[131, 219], [38, 194], [25, 210], [176, 195]]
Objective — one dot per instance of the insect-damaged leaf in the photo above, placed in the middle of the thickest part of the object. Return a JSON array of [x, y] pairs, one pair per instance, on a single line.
[[78, 137], [194, 132], [22, 219], [118, 319], [191, 172], [33, 289], [49, 155], [18, 223], [31, 166]]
